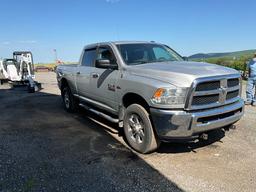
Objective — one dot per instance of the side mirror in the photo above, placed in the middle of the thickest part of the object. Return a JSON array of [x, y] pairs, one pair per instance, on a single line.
[[105, 64], [185, 58]]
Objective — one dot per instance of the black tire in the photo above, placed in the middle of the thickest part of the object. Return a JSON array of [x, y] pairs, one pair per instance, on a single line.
[[31, 89], [69, 101], [138, 129]]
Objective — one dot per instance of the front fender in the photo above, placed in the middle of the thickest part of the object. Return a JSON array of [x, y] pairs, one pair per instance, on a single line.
[[142, 86]]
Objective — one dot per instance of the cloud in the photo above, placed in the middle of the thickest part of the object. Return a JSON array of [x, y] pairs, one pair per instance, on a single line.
[[27, 42], [112, 1]]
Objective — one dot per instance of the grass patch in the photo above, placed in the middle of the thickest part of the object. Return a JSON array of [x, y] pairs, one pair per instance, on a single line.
[[52, 65], [48, 65]]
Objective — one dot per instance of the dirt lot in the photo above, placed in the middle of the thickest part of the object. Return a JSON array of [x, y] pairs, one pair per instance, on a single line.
[[43, 148]]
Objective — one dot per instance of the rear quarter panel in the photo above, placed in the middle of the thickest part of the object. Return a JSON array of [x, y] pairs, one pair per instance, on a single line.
[[67, 72]]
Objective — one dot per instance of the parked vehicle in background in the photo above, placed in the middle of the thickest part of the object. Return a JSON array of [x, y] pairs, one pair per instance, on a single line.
[[19, 69], [152, 92]]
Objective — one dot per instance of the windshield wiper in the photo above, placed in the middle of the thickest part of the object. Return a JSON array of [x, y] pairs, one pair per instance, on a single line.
[[160, 61], [145, 62], [139, 62]]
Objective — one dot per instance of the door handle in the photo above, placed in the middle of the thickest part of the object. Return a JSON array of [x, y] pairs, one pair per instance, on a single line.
[[95, 75], [78, 72]]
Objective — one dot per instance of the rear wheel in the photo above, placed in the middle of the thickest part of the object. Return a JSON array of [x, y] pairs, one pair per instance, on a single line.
[[138, 129], [69, 101]]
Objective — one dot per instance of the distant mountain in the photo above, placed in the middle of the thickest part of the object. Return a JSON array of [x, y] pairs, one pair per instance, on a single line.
[[227, 54]]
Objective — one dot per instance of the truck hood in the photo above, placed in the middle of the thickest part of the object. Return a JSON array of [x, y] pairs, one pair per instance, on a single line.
[[180, 73]]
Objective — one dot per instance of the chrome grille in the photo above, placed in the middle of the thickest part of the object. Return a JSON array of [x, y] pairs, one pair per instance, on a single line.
[[214, 92], [233, 82], [232, 94], [204, 100], [207, 86]]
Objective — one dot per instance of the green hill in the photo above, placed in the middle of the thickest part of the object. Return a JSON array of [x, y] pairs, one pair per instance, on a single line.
[[236, 60], [236, 54]]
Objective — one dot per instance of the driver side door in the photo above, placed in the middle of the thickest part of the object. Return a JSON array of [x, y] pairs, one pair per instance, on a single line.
[[104, 80]]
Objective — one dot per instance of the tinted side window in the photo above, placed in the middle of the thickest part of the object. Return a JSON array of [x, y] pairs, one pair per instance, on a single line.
[[106, 53], [89, 57]]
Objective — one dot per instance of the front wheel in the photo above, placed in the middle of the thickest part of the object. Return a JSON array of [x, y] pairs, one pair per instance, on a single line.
[[70, 103], [138, 129]]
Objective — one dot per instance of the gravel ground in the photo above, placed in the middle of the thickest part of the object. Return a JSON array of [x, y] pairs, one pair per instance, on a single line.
[[43, 148]]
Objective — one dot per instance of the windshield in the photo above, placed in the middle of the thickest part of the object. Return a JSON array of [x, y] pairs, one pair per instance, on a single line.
[[141, 53]]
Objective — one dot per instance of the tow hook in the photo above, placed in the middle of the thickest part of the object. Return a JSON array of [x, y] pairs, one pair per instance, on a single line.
[[203, 136]]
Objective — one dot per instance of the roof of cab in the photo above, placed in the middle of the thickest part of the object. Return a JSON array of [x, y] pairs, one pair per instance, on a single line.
[[130, 42], [117, 43]]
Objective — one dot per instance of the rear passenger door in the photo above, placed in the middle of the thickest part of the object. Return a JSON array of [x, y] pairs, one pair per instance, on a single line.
[[84, 71]]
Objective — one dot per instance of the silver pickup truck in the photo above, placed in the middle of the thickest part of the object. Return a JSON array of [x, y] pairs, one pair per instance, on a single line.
[[151, 91]]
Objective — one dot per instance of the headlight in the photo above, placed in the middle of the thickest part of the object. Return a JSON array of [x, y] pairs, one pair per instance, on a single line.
[[168, 96]]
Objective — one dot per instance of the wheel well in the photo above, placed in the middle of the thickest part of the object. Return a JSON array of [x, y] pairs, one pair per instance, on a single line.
[[63, 84], [132, 98]]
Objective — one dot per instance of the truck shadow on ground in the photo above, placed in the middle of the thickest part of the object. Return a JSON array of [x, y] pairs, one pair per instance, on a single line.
[[44, 148], [192, 146]]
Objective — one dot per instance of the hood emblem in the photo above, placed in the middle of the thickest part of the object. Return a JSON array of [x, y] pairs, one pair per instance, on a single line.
[[223, 91]]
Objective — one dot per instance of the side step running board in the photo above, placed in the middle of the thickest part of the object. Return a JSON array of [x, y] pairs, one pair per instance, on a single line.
[[109, 118]]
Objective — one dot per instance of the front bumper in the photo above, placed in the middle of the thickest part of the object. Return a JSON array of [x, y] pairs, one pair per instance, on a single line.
[[171, 124]]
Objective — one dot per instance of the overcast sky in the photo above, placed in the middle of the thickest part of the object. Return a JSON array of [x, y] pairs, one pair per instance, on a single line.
[[188, 26]]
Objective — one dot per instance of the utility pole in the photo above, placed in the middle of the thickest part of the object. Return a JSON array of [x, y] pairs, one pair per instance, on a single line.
[[55, 55]]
